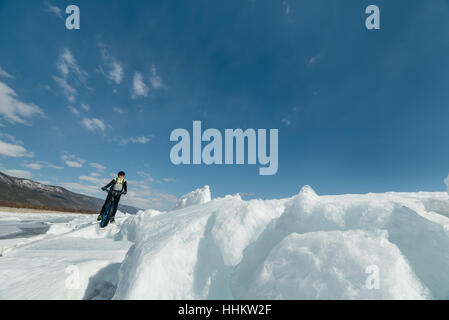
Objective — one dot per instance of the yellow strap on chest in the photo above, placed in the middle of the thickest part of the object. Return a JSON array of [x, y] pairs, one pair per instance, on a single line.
[[119, 180]]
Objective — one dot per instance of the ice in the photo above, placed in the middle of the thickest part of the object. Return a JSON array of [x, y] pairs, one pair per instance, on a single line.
[[334, 265], [181, 254], [8, 231], [197, 196], [74, 259], [307, 246], [353, 246], [410, 231]]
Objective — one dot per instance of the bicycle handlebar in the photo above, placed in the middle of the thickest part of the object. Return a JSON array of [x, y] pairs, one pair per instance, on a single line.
[[109, 190]]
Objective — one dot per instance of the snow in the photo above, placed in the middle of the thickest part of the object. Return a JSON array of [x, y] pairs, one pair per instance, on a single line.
[[354, 246], [73, 259], [330, 265], [308, 246], [25, 183], [197, 196]]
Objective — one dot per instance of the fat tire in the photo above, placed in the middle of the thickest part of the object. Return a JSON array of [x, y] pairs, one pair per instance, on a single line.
[[106, 216]]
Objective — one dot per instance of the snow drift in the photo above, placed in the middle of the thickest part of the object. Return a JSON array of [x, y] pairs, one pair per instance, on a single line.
[[371, 246], [197, 196], [304, 247]]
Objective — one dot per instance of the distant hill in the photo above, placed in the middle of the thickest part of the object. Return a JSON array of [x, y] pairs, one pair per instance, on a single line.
[[19, 192]]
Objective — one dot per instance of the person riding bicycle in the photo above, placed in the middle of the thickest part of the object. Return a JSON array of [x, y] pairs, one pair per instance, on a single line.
[[118, 184]]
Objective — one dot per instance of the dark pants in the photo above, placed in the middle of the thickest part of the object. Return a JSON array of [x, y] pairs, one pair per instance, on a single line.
[[113, 210]]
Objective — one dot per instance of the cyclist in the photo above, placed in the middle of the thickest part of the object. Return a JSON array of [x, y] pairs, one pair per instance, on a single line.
[[118, 184]]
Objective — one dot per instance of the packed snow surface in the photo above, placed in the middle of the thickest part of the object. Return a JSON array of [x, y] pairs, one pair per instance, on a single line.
[[58, 256], [370, 246]]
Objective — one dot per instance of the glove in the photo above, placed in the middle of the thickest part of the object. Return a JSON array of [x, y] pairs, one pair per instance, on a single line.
[[104, 189], [124, 192]]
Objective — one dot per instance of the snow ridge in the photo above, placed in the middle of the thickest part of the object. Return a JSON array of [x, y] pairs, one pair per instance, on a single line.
[[304, 247], [197, 196], [309, 246]]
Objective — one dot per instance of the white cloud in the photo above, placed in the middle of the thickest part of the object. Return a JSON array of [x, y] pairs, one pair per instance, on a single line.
[[54, 10], [14, 150], [67, 64], [34, 166], [155, 79], [94, 180], [94, 124], [49, 165], [74, 110], [80, 187], [11, 138], [139, 87], [149, 199], [69, 91], [141, 140], [18, 173], [4, 74], [115, 73], [169, 180], [72, 161], [86, 107], [89, 179], [14, 110], [73, 164], [118, 110], [141, 195], [41, 164], [287, 8], [314, 59], [97, 166], [287, 122], [95, 174], [146, 176]]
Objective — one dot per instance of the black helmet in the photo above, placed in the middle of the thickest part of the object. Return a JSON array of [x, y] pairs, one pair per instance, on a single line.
[[121, 173]]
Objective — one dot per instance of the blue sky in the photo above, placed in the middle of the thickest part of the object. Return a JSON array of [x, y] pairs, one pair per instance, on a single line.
[[357, 111]]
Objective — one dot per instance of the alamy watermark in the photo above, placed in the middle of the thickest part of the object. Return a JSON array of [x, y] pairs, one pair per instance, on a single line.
[[373, 20], [73, 281], [212, 153], [372, 282], [73, 21]]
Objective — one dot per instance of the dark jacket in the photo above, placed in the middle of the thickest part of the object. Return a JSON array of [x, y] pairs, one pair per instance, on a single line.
[[113, 181]]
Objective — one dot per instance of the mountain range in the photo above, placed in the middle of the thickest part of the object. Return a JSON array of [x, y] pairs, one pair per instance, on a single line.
[[25, 193]]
